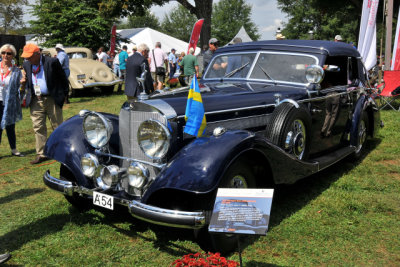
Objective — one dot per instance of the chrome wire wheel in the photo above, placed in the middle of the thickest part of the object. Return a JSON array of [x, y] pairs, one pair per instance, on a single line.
[[362, 135], [295, 141]]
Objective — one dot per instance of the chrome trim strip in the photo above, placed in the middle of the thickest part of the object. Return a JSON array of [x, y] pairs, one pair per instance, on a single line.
[[156, 215], [289, 101], [156, 165], [235, 109], [163, 107], [100, 83]]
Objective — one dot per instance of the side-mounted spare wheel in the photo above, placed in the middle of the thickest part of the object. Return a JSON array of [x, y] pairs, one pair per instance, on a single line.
[[289, 128]]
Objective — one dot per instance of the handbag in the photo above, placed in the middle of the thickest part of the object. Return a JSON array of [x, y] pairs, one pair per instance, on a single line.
[[159, 70]]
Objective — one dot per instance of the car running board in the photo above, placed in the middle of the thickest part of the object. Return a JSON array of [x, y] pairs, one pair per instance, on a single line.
[[331, 158]]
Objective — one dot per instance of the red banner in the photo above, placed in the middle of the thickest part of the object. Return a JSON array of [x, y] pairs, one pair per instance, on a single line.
[[194, 38], [396, 49], [112, 42]]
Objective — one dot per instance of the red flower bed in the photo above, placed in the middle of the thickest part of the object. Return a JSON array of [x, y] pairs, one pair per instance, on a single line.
[[205, 260]]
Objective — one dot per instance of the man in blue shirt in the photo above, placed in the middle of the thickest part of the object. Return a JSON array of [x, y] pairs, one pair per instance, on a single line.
[[63, 58], [123, 57], [172, 63]]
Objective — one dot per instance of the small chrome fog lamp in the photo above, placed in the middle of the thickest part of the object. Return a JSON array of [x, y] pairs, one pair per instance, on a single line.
[[137, 175], [108, 177], [89, 165]]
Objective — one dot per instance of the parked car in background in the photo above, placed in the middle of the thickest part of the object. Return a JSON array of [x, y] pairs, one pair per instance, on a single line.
[[276, 111], [86, 72]]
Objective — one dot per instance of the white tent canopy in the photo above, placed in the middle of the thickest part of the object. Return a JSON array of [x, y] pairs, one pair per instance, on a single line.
[[242, 34], [149, 36]]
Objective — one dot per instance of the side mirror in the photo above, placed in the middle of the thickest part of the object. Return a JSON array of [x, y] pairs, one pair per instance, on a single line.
[[314, 74]]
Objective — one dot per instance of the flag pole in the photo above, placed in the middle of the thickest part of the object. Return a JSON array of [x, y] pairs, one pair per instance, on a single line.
[[388, 43]]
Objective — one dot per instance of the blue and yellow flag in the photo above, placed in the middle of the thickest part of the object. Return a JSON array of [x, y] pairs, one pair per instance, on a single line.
[[194, 115]]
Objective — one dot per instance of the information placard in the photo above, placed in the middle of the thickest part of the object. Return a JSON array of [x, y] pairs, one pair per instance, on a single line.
[[241, 211]]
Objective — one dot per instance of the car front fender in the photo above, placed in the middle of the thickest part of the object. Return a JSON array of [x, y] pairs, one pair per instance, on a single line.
[[67, 144], [199, 165]]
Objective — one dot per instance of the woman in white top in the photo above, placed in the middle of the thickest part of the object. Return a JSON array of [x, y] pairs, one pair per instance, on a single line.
[[10, 104]]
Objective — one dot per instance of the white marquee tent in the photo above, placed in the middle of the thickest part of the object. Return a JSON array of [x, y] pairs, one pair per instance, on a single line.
[[149, 36]]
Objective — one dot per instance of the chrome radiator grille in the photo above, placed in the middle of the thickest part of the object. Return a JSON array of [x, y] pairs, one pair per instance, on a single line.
[[129, 122]]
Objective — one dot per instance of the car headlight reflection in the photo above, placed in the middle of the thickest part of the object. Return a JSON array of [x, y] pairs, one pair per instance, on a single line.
[[154, 139], [89, 165], [137, 175], [97, 129]]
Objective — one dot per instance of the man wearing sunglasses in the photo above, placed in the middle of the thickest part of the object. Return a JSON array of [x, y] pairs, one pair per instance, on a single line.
[[47, 87]]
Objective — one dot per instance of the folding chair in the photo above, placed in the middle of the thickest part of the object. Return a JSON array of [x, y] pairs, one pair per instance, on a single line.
[[390, 90]]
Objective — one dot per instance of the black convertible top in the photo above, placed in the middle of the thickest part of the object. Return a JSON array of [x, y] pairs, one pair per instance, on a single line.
[[307, 46]]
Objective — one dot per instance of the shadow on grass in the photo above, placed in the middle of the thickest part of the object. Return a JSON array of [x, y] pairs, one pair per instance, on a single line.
[[164, 235], [25, 152], [20, 194], [288, 200]]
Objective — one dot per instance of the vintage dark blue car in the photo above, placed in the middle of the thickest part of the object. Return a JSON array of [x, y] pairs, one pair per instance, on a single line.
[[276, 111]]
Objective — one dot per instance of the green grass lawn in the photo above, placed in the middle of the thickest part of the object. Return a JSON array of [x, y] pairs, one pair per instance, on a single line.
[[349, 214]]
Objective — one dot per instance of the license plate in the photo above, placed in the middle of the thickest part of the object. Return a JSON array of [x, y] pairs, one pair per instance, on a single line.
[[103, 200]]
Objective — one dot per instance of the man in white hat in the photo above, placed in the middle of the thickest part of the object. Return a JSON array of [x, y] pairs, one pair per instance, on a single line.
[[63, 58], [338, 38]]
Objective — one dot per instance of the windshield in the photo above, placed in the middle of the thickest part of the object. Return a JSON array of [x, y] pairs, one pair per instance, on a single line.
[[267, 66], [77, 55]]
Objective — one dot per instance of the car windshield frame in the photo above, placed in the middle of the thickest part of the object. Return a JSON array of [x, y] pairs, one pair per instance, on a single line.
[[254, 64]]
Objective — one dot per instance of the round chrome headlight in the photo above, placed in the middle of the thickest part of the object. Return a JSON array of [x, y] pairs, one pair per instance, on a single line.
[[108, 177], [154, 139], [97, 129], [89, 165], [137, 175], [314, 74]]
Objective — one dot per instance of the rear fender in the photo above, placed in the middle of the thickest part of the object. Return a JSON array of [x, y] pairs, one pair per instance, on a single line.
[[67, 144], [361, 105]]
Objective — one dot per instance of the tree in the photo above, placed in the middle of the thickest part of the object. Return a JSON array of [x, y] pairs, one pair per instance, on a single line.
[[11, 14], [179, 23], [73, 24], [84, 22], [325, 18], [228, 17], [141, 21], [202, 9]]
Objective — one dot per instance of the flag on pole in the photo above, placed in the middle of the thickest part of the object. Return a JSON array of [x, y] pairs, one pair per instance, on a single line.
[[194, 38], [396, 48], [367, 36], [194, 114], [112, 41]]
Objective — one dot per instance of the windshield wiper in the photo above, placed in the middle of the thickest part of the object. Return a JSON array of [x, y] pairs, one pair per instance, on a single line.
[[230, 74], [265, 72]]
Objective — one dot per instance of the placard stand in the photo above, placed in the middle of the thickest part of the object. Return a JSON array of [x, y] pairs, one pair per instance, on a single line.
[[241, 212], [239, 250]]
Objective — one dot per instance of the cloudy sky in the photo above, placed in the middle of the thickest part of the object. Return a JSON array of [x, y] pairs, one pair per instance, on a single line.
[[265, 14]]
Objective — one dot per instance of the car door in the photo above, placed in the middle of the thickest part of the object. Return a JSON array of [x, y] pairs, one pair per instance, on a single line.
[[331, 107]]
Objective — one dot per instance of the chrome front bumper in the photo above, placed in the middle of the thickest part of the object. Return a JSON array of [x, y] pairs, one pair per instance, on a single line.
[[152, 214], [85, 85]]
